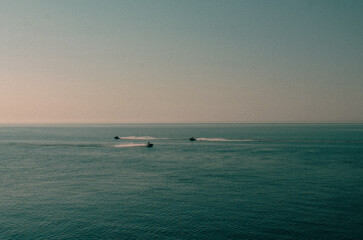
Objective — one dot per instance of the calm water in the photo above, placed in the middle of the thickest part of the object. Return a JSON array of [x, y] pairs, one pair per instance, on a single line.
[[237, 181]]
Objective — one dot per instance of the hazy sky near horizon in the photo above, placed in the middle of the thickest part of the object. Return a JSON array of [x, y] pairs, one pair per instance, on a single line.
[[181, 61]]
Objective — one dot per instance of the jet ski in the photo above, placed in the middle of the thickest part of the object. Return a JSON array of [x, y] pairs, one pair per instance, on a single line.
[[192, 139], [149, 145], [117, 137]]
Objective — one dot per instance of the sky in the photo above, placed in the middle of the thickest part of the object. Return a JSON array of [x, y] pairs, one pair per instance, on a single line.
[[145, 61]]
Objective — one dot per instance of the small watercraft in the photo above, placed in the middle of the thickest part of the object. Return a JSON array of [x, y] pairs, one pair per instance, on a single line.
[[117, 137], [149, 145], [192, 139]]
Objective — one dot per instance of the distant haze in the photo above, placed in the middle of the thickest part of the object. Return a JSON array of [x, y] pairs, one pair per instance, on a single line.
[[181, 61]]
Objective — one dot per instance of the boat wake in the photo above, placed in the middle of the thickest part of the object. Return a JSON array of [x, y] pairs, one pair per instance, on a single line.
[[140, 138], [223, 140], [129, 145], [275, 141]]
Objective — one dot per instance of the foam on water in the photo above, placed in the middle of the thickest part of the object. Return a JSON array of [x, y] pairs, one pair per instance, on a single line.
[[129, 145], [237, 181], [223, 140], [140, 138], [272, 140]]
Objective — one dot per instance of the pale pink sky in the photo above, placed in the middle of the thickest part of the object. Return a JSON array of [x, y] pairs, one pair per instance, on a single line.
[[176, 61]]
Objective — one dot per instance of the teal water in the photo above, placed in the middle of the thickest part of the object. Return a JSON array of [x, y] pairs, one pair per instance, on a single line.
[[237, 181]]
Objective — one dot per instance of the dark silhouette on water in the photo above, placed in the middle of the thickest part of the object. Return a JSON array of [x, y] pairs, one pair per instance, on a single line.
[[117, 137], [192, 139], [149, 145]]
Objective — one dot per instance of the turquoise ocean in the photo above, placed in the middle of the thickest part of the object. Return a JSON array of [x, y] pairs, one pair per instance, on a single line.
[[237, 181]]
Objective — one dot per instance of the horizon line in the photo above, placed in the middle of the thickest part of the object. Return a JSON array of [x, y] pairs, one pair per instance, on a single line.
[[186, 122]]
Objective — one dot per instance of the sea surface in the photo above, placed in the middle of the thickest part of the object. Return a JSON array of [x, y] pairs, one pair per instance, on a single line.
[[237, 181]]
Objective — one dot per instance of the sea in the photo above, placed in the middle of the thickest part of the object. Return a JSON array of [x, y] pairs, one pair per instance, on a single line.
[[236, 181]]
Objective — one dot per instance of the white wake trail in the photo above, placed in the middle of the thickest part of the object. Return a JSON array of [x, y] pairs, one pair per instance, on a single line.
[[223, 140], [129, 145], [140, 138]]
